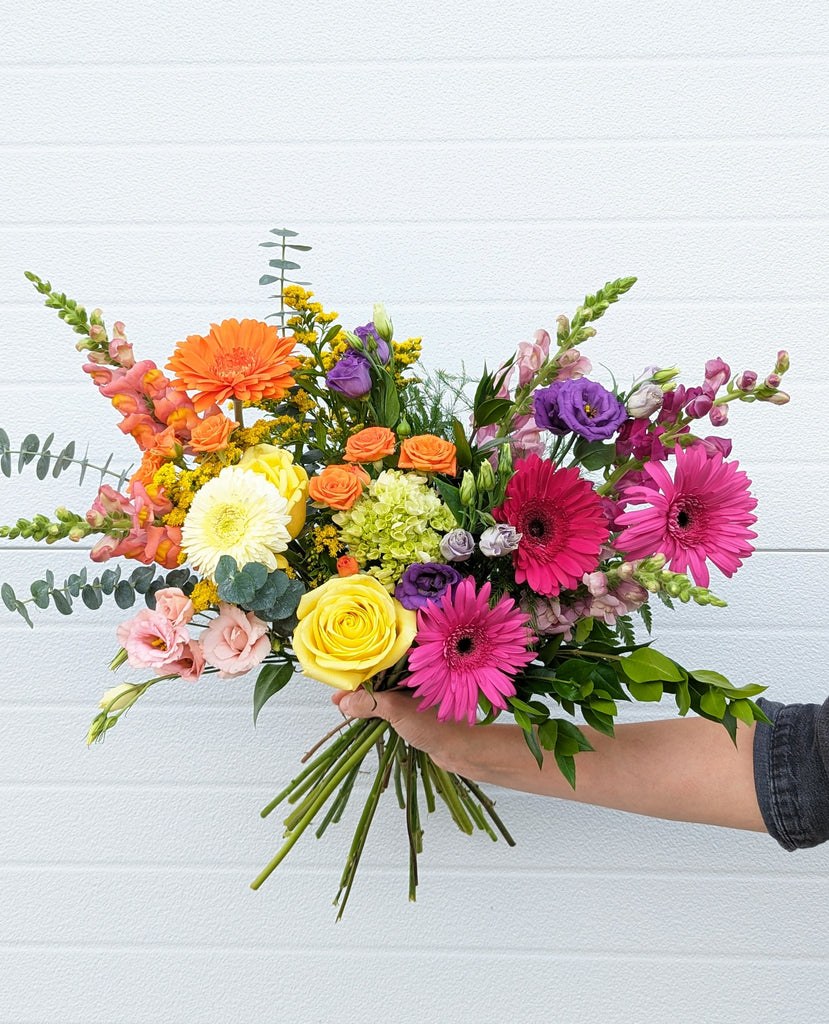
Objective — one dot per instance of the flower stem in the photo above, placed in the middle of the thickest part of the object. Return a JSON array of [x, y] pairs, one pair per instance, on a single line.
[[361, 833], [322, 794]]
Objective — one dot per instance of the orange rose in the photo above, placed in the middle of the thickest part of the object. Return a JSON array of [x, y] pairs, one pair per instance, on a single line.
[[428, 453], [212, 433], [347, 565], [370, 445], [338, 486]]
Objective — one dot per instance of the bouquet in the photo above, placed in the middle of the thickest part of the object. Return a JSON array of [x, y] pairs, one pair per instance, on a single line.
[[309, 499]]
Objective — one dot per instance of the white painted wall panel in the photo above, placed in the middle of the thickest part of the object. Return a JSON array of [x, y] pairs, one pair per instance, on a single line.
[[387, 101], [479, 167]]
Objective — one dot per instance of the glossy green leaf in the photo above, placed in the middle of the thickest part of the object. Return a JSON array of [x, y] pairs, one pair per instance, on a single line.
[[462, 449], [647, 665], [713, 703], [646, 691], [271, 679]]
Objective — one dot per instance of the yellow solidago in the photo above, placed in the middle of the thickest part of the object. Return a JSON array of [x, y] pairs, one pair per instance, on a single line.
[[326, 539], [296, 297], [407, 352], [205, 595]]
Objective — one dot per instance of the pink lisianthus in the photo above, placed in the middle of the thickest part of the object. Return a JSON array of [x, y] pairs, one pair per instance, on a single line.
[[235, 642], [174, 605], [152, 641], [191, 663]]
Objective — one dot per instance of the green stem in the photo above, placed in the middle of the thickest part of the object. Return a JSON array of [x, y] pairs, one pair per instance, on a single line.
[[361, 833], [322, 794], [489, 806], [324, 757], [237, 412]]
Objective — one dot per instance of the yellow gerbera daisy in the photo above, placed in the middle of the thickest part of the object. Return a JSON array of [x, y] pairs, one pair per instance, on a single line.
[[238, 513]]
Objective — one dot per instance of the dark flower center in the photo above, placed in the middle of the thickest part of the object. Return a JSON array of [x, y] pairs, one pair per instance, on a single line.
[[688, 519], [536, 527], [464, 645]]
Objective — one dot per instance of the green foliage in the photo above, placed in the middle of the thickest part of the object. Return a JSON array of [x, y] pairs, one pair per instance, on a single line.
[[32, 449], [282, 263], [271, 679], [125, 591], [272, 596]]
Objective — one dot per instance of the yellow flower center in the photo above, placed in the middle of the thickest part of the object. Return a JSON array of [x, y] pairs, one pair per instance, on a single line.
[[227, 525]]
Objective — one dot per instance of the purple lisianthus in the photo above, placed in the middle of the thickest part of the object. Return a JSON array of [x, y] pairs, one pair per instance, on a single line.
[[350, 375], [425, 581], [581, 406], [363, 333]]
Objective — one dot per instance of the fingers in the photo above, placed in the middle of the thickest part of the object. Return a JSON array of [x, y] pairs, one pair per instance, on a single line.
[[361, 704]]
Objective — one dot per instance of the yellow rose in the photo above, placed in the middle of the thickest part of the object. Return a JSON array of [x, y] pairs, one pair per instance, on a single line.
[[277, 466], [349, 629]]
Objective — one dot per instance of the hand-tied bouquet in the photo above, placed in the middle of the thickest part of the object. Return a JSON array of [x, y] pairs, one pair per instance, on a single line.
[[366, 530]]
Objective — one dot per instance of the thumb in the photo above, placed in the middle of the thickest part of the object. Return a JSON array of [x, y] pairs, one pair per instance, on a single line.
[[360, 704]]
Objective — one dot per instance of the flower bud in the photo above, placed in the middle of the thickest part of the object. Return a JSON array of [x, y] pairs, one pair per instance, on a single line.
[[505, 466], [486, 476], [468, 490], [718, 415], [77, 533], [498, 540], [403, 428], [562, 326], [778, 398], [717, 373], [773, 380], [644, 401], [382, 322], [665, 376], [354, 342], [782, 363], [120, 697], [457, 545], [746, 380]]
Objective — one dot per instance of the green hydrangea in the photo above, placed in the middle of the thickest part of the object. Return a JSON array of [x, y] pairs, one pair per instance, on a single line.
[[397, 521]]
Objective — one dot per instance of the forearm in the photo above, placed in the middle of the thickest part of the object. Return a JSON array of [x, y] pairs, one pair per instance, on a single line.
[[681, 769], [685, 769]]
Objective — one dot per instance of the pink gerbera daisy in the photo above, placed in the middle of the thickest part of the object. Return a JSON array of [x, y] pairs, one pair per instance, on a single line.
[[703, 513], [465, 649], [561, 522]]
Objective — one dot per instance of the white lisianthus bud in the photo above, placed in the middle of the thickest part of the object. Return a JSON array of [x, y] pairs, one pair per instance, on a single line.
[[382, 322], [644, 401], [119, 697]]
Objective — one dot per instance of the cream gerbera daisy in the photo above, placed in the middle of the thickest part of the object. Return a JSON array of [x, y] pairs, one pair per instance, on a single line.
[[237, 513]]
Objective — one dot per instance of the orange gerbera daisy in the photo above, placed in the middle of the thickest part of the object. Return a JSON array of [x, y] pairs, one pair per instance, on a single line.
[[248, 361]]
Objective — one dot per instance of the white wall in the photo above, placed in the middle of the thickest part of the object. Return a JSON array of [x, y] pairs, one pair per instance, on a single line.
[[479, 167]]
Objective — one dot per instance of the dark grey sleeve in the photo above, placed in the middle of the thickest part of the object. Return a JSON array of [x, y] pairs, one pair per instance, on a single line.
[[791, 772]]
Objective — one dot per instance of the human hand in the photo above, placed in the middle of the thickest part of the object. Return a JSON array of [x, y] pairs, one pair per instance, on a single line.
[[444, 742]]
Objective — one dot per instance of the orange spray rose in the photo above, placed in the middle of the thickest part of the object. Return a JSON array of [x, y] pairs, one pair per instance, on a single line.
[[428, 453]]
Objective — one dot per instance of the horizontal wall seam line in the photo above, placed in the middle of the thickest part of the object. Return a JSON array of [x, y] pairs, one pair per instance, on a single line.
[[497, 143], [408, 949], [168, 227], [728, 58]]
